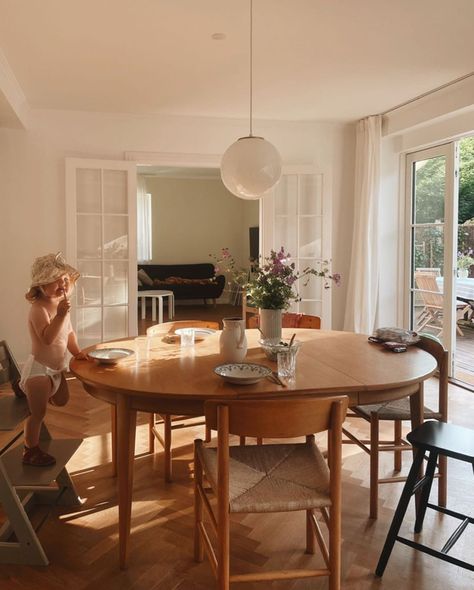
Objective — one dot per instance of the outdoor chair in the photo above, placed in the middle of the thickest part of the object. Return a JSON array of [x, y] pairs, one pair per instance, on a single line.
[[270, 478], [432, 313], [398, 411]]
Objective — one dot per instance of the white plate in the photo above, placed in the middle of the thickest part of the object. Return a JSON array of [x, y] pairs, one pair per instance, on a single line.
[[110, 356], [198, 332], [242, 373]]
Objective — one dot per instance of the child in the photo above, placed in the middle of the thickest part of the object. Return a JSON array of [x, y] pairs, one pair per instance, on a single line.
[[49, 324]]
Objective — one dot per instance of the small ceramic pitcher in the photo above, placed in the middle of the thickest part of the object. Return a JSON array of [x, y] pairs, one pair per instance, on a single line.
[[233, 342]]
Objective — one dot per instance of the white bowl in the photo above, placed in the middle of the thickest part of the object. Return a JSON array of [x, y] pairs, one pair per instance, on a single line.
[[242, 373], [110, 356], [272, 346]]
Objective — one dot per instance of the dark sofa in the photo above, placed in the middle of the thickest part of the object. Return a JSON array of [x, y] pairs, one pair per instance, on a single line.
[[187, 281]]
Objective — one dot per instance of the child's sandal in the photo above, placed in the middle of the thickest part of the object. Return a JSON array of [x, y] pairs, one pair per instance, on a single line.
[[35, 457]]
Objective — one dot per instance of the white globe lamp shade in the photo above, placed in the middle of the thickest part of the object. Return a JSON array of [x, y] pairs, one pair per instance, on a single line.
[[250, 167]]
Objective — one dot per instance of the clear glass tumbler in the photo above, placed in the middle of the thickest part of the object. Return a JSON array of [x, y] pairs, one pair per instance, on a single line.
[[286, 361], [187, 337], [142, 348]]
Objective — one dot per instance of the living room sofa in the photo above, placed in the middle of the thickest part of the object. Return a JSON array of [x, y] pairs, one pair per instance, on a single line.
[[187, 281]]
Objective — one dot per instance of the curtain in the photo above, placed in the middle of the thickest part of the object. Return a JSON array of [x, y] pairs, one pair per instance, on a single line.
[[362, 292], [143, 221]]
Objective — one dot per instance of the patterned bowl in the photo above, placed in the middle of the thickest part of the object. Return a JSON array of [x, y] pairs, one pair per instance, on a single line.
[[242, 373]]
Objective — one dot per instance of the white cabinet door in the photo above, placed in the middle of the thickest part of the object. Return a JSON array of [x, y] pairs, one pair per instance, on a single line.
[[297, 216], [101, 243]]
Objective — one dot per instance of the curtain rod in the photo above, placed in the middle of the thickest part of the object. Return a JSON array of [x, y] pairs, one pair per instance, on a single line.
[[404, 104]]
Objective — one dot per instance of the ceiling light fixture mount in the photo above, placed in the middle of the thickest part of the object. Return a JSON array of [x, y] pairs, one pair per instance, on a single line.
[[251, 166]]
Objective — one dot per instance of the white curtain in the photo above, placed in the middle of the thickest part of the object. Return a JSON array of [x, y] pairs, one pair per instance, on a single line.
[[362, 293], [143, 221]]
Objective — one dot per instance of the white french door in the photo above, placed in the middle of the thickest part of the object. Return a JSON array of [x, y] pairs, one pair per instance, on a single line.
[[297, 216], [432, 189], [101, 230]]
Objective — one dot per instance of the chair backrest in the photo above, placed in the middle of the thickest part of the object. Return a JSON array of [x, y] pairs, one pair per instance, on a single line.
[[429, 289], [433, 346], [432, 270], [291, 320], [277, 418], [171, 327]]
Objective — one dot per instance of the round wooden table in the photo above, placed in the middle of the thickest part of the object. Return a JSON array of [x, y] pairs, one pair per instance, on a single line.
[[179, 381]]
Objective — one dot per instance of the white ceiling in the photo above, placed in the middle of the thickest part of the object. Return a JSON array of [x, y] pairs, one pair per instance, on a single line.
[[313, 59]]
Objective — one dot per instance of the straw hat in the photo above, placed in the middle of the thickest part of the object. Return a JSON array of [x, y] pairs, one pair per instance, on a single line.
[[47, 269]]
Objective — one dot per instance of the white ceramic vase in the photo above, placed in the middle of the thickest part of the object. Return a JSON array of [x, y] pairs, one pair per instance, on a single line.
[[270, 323], [233, 342]]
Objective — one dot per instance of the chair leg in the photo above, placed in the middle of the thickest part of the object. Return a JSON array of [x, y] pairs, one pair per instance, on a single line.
[[374, 464], [443, 480], [309, 532], [151, 436], [335, 548], [397, 436], [208, 434], [198, 547], [167, 447], [425, 492], [400, 513]]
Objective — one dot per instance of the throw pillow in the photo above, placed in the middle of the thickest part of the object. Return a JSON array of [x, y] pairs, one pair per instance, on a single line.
[[144, 278]]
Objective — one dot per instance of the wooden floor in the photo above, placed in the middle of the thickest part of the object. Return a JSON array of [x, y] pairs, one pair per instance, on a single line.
[[82, 543]]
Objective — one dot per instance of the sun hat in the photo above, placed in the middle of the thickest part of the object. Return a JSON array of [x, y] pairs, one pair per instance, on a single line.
[[47, 269]]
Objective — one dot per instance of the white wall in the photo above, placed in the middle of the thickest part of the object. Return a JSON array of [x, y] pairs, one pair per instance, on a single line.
[[193, 218], [32, 185]]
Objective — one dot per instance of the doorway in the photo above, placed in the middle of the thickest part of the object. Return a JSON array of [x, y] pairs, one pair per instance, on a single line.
[[440, 187]]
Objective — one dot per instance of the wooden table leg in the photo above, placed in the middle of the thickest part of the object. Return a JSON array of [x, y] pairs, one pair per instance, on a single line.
[[113, 422], [153, 308], [160, 309], [126, 426]]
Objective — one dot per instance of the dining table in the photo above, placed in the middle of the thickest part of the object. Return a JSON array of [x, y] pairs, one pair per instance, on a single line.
[[179, 380]]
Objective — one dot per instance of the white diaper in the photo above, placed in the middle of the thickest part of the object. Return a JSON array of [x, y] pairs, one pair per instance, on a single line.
[[32, 368]]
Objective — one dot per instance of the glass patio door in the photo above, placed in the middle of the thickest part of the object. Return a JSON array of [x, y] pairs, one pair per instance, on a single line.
[[432, 223], [101, 237]]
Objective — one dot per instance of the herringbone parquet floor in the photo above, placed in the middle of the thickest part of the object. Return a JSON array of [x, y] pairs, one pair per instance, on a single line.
[[81, 543]]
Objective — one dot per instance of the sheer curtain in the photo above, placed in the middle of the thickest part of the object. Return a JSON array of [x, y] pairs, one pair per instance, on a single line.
[[362, 292], [143, 221]]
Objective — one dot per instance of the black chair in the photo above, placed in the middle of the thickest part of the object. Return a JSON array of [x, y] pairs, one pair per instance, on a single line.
[[438, 439]]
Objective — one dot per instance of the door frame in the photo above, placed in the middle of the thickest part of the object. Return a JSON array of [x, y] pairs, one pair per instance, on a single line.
[[450, 151]]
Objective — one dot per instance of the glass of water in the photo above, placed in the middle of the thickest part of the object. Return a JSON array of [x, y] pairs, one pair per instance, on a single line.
[[286, 361], [187, 337], [142, 348]]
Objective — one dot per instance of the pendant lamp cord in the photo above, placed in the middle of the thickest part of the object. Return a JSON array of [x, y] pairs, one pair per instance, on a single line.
[[251, 65]]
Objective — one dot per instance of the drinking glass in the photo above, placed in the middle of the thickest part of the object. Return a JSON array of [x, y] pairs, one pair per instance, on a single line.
[[286, 361], [142, 348], [187, 337]]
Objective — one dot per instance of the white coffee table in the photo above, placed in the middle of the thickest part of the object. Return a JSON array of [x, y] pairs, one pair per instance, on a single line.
[[157, 294]]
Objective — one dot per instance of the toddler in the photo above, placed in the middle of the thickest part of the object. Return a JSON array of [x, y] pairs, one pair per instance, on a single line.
[[49, 324]]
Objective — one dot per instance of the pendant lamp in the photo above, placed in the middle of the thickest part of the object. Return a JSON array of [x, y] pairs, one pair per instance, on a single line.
[[251, 166]]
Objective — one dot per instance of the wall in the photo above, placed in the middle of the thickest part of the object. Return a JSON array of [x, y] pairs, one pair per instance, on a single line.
[[193, 218], [32, 183]]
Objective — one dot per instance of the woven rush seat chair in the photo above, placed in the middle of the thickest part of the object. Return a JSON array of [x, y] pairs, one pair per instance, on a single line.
[[398, 411], [168, 422], [437, 440], [271, 478]]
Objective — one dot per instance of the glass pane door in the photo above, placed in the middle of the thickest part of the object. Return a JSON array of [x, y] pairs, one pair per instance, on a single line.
[[431, 184], [101, 213], [295, 218]]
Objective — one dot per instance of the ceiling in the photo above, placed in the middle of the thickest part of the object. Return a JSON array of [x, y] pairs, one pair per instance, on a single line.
[[313, 59]]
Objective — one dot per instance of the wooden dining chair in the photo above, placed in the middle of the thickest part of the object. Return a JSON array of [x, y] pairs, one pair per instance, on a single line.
[[169, 422], [270, 478], [291, 320], [398, 411]]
